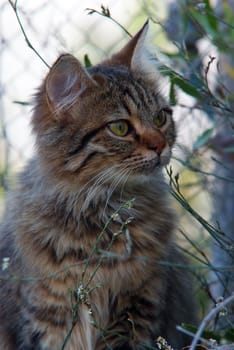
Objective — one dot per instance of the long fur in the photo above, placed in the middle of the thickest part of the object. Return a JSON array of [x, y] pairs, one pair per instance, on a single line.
[[89, 228]]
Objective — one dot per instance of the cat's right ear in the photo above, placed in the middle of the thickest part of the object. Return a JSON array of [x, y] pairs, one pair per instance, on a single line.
[[66, 82]]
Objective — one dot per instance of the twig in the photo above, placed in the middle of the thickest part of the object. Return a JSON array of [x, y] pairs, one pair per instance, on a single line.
[[208, 318], [217, 234], [15, 8], [105, 12], [207, 68], [191, 334], [206, 259], [210, 107], [195, 169]]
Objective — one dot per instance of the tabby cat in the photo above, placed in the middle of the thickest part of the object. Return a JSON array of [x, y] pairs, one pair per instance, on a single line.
[[89, 226]]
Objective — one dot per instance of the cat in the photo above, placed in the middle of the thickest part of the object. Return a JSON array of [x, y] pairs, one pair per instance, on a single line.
[[88, 235]]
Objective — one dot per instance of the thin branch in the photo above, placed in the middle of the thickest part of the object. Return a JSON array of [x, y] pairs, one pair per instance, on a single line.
[[105, 12], [191, 167], [15, 8], [217, 234], [207, 68], [208, 318], [191, 334], [206, 259]]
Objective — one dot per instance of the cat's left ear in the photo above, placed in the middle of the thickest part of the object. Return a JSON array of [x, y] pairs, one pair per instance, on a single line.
[[136, 54], [66, 81]]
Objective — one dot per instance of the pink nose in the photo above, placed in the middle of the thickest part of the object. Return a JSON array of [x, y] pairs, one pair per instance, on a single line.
[[160, 146], [155, 142]]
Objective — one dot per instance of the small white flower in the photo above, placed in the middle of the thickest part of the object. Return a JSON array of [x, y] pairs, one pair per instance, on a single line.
[[5, 263], [81, 293], [129, 220], [115, 217]]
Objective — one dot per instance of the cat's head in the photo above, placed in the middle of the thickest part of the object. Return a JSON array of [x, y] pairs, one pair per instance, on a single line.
[[108, 122]]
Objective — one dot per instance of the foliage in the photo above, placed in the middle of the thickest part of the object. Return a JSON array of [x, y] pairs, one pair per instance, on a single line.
[[192, 71]]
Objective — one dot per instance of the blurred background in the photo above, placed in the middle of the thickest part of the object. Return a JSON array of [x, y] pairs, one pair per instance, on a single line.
[[194, 43]]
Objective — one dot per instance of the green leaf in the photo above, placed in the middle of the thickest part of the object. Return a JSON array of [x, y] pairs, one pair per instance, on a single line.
[[87, 61], [211, 17], [229, 334], [23, 103], [206, 334], [204, 22], [211, 335], [172, 95], [203, 139], [181, 82], [186, 86], [189, 327]]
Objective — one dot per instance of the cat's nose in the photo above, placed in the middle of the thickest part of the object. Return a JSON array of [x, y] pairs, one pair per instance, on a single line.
[[156, 143], [152, 140], [158, 147]]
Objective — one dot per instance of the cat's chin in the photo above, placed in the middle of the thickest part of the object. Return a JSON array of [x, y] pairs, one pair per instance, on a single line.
[[140, 179], [146, 175], [151, 172]]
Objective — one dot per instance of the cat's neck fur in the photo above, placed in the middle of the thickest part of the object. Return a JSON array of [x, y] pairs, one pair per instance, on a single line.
[[101, 199]]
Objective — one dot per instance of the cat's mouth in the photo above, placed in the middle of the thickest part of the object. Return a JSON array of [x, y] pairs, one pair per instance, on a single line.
[[148, 167], [151, 163]]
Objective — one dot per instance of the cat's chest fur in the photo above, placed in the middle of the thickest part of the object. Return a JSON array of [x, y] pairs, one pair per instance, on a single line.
[[96, 262], [110, 233]]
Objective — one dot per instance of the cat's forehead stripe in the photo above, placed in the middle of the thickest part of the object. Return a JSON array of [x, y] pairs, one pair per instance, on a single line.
[[126, 107], [133, 92], [141, 101]]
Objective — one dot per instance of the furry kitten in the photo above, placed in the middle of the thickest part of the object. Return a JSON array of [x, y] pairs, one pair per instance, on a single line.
[[89, 226]]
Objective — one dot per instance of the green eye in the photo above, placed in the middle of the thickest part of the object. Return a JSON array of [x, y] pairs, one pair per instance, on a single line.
[[119, 128], [161, 118]]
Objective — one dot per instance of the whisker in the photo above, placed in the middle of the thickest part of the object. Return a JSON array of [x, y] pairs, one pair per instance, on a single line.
[[96, 187], [119, 176]]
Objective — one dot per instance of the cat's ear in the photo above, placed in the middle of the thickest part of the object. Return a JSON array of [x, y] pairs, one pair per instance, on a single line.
[[66, 81], [136, 54]]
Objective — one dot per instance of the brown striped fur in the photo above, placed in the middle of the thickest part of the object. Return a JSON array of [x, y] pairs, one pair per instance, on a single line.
[[89, 224]]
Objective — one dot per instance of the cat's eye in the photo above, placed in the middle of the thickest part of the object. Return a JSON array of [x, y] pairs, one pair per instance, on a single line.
[[119, 128], [161, 118]]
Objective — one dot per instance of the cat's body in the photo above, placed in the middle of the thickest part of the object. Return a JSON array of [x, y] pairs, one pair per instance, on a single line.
[[89, 227]]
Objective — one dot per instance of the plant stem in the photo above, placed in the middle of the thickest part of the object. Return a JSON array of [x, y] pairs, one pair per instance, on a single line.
[[15, 8], [208, 318]]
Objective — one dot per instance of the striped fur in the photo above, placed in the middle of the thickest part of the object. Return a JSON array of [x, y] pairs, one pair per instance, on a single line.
[[89, 225]]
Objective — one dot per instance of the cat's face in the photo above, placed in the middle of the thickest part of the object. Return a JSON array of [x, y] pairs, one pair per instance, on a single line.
[[108, 122]]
